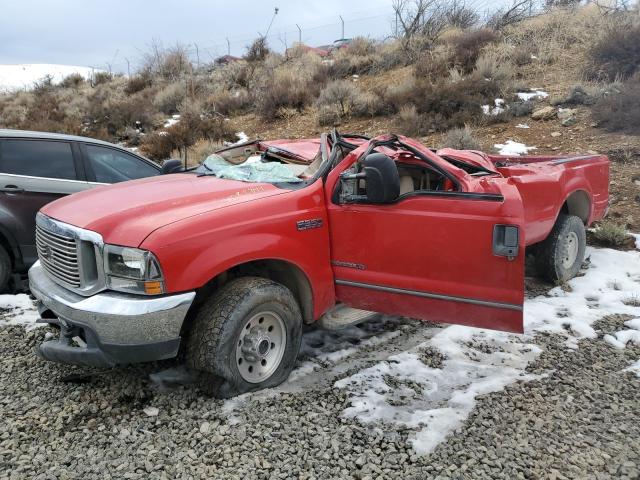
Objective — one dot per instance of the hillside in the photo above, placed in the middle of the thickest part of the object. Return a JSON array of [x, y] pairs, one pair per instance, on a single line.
[[465, 85]]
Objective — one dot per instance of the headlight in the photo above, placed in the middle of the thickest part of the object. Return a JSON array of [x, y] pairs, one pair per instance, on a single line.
[[132, 270]]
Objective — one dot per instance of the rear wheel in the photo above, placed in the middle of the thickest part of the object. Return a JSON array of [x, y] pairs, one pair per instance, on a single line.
[[5, 269], [560, 256], [246, 337]]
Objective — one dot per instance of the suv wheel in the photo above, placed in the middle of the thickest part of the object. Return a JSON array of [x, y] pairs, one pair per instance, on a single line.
[[246, 337], [560, 255], [5, 269]]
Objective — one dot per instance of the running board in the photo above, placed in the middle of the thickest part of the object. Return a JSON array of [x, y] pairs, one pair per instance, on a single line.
[[342, 316]]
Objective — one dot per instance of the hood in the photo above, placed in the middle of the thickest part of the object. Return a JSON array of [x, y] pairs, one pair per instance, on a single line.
[[126, 213]]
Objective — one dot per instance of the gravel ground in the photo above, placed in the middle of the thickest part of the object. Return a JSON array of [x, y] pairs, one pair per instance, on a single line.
[[580, 420]]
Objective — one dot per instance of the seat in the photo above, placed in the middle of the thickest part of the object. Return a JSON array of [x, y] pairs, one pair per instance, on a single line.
[[406, 184]]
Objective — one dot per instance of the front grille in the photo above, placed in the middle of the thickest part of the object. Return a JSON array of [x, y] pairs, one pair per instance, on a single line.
[[58, 255]]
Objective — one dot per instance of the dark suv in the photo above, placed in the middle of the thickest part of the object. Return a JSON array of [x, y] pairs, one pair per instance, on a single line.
[[37, 168]]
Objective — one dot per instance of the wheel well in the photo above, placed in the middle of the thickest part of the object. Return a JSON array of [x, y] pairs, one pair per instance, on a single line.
[[7, 246], [578, 204], [286, 273]]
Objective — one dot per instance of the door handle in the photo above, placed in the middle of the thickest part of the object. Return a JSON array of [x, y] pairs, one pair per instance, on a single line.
[[506, 241], [11, 189]]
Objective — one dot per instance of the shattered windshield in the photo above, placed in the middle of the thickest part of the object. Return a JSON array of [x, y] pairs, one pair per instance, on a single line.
[[254, 169]]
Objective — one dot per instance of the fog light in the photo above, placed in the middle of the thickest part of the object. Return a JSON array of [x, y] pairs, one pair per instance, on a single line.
[[153, 288]]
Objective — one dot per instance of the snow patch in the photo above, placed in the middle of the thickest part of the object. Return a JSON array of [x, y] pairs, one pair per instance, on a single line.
[[407, 392], [497, 109], [624, 337], [242, 138], [24, 76], [18, 310], [512, 148], [533, 93], [634, 367], [171, 121], [522, 125]]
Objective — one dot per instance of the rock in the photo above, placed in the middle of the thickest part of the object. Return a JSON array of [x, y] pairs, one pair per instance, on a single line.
[[151, 411], [567, 122], [205, 428], [564, 113], [556, 134], [544, 113]]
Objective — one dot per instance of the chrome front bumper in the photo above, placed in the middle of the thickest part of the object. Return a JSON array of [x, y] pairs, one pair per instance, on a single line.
[[115, 328]]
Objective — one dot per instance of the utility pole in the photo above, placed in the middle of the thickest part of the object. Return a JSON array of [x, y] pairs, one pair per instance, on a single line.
[[228, 47], [275, 12], [396, 24], [197, 56], [128, 68], [299, 34], [342, 21]]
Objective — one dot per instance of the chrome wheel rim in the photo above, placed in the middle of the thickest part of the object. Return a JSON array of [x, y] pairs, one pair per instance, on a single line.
[[260, 346], [570, 250]]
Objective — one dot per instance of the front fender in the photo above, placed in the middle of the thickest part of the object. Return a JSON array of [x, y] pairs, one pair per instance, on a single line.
[[195, 250]]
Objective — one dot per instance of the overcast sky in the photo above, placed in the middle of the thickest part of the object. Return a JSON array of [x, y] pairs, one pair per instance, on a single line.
[[101, 32]]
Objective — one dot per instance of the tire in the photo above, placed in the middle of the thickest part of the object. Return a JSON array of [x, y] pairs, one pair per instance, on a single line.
[[246, 337], [560, 255], [5, 269]]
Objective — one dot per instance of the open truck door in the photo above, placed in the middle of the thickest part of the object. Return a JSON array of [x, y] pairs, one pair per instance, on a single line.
[[446, 256]]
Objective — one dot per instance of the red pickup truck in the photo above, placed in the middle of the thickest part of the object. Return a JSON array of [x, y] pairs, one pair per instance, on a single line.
[[229, 260]]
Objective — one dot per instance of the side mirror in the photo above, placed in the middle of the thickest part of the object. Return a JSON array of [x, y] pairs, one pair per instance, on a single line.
[[171, 166], [382, 181]]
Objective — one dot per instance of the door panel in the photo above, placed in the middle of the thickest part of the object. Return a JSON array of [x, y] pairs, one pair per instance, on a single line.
[[431, 256], [21, 208]]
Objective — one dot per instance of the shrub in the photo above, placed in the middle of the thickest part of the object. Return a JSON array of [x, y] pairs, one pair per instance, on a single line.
[[346, 99], [461, 139], [490, 67], [521, 109], [137, 83], [522, 55], [168, 99], [468, 45], [616, 53], [620, 112], [410, 122], [228, 102], [339, 94], [257, 51], [112, 110], [284, 89], [346, 63], [327, 116], [75, 80], [609, 233], [293, 84], [101, 77], [202, 149], [578, 95], [193, 126], [435, 63]]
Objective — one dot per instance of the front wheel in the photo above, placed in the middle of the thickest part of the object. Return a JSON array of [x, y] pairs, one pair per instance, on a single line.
[[246, 337], [560, 255]]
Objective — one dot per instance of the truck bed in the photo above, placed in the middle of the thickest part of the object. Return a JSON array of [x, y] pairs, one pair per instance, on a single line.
[[547, 182]]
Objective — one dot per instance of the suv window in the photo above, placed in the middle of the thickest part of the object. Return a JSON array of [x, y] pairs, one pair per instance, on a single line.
[[112, 166], [37, 158]]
